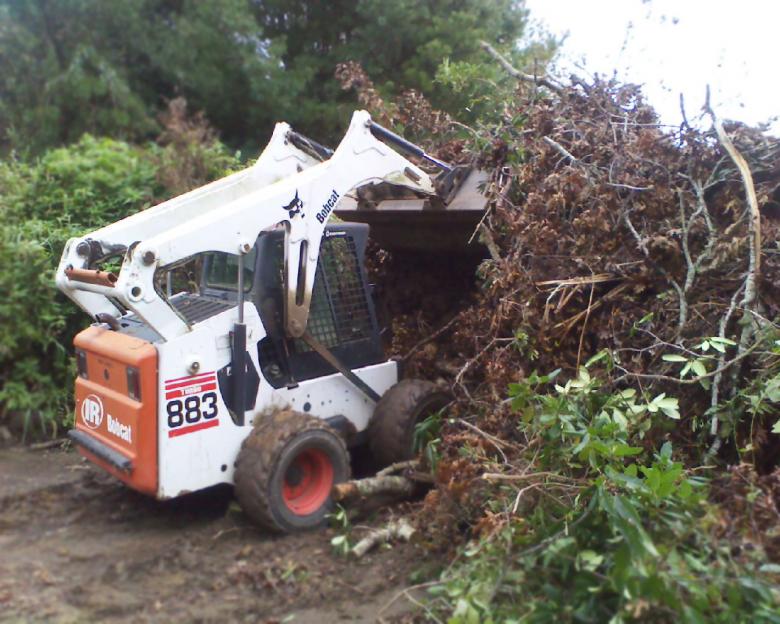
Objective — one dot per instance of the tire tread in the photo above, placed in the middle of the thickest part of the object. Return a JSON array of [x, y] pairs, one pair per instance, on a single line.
[[258, 458], [391, 430]]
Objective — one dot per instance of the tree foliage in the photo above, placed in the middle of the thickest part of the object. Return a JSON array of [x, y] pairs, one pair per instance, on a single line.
[[45, 202], [401, 45], [108, 68]]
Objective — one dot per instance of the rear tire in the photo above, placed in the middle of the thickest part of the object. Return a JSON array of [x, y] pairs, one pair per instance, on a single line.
[[391, 430], [286, 470]]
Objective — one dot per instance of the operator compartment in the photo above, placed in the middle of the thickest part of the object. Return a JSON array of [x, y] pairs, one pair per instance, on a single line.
[[342, 315], [116, 405]]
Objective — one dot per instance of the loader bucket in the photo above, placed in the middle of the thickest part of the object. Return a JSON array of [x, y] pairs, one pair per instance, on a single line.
[[407, 223]]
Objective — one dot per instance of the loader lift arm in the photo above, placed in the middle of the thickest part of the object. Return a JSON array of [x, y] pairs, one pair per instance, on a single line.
[[302, 202], [287, 153]]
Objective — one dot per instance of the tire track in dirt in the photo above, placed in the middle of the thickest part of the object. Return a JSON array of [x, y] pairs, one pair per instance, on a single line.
[[77, 546]]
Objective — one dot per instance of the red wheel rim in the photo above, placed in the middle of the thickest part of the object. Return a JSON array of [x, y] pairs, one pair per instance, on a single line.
[[308, 481]]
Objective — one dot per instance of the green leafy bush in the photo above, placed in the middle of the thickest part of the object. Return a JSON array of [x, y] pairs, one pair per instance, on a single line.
[[65, 193], [94, 181], [602, 527], [36, 320]]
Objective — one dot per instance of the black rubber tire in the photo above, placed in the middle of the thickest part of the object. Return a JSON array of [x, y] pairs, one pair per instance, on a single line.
[[265, 456], [391, 430]]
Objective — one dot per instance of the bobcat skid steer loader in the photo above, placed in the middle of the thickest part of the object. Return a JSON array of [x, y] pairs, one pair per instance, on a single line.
[[271, 366]]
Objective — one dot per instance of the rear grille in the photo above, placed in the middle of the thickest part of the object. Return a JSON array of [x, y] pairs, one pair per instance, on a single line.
[[196, 308]]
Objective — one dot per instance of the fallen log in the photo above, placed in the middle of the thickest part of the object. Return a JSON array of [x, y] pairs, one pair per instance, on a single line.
[[374, 486]]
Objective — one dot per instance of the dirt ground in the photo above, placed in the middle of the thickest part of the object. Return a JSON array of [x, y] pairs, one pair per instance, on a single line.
[[77, 546]]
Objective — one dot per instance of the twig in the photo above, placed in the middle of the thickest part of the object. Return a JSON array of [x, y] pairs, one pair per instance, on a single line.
[[486, 236], [716, 382], [629, 187], [430, 338], [498, 443], [500, 200], [571, 322], [41, 446], [398, 467], [585, 279], [560, 148], [473, 360], [584, 325], [405, 592], [683, 303], [499, 476], [555, 536], [520, 493], [685, 123], [695, 380]]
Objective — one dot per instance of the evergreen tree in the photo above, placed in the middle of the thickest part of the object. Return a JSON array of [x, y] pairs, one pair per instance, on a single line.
[[108, 68]]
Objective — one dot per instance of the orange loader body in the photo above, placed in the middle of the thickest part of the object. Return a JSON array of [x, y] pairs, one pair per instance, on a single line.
[[106, 409]]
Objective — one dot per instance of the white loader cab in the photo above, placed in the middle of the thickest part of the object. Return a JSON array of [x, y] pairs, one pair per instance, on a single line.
[[263, 372]]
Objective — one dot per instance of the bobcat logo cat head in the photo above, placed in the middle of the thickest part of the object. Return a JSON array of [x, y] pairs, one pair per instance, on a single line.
[[295, 207]]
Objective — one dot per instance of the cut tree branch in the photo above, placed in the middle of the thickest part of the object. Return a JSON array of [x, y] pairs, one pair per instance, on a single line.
[[750, 192], [373, 486], [516, 73], [559, 148], [754, 263], [397, 529], [697, 379], [430, 338]]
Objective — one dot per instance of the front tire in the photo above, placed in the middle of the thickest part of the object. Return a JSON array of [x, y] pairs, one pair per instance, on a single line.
[[391, 430], [286, 470]]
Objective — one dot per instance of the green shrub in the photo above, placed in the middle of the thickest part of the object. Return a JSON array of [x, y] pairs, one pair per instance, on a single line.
[[600, 527], [36, 320], [92, 182], [66, 193]]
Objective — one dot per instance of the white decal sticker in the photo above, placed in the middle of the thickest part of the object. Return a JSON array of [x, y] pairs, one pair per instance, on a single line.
[[191, 404], [92, 411], [120, 430]]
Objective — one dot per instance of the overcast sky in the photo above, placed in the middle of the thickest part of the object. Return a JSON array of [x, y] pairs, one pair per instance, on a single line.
[[677, 46]]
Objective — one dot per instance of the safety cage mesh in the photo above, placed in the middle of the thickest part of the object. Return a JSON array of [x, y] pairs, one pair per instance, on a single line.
[[339, 311]]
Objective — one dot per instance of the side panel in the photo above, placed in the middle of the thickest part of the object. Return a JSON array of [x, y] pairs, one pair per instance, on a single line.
[[198, 440], [105, 411], [333, 395], [205, 456]]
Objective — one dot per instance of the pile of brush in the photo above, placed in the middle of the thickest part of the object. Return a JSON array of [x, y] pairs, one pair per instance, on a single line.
[[607, 233]]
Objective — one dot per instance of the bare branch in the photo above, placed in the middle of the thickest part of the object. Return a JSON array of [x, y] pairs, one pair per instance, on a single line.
[[750, 192], [496, 442], [516, 73], [433, 336], [754, 263], [400, 529], [560, 148], [373, 486]]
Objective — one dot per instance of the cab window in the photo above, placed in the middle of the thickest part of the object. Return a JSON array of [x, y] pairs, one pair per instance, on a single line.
[[221, 270]]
